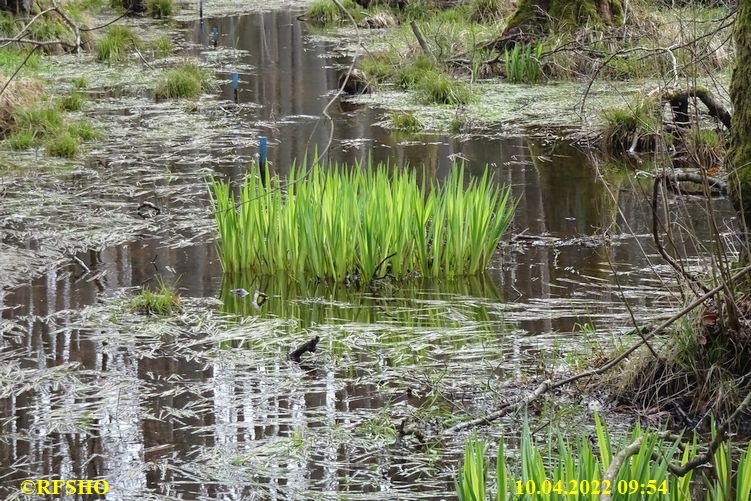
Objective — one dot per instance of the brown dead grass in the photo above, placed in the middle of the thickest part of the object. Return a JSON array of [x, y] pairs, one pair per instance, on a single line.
[[20, 93]]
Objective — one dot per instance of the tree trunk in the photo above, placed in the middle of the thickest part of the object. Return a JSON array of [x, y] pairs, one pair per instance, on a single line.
[[538, 17], [739, 153], [16, 6]]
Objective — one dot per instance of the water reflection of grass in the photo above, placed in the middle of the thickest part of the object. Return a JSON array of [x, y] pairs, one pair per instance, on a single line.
[[422, 303], [414, 314]]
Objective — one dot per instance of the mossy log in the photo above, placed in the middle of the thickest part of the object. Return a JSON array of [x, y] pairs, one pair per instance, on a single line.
[[739, 153], [679, 103], [536, 18]]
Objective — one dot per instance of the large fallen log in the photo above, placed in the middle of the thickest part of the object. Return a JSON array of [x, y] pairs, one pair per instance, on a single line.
[[679, 103]]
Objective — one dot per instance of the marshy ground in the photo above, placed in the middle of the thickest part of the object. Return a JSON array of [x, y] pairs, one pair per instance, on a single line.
[[196, 398]]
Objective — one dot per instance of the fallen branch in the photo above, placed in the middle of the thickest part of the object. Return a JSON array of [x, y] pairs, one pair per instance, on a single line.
[[648, 334], [679, 103], [545, 386], [615, 466], [720, 186], [719, 438], [421, 40]]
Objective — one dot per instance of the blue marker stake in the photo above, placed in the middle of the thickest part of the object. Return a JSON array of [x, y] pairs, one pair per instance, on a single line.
[[263, 144], [215, 35], [262, 166], [200, 9], [235, 85]]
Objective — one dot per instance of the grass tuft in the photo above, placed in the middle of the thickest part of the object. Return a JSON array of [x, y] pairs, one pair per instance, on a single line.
[[325, 12], [410, 75], [73, 101], [635, 126], [62, 145], [186, 81], [37, 124], [114, 46], [162, 46], [163, 301], [21, 139], [11, 59], [439, 88], [83, 130], [336, 223], [523, 64], [80, 83], [160, 8], [406, 121]]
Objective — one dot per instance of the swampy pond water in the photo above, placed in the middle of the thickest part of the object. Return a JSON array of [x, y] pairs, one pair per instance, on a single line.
[[205, 405]]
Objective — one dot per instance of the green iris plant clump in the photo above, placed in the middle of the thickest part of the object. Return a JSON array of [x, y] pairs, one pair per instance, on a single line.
[[337, 222], [577, 473]]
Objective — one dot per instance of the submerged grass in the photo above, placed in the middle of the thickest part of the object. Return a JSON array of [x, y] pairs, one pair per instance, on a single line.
[[336, 223], [643, 474]]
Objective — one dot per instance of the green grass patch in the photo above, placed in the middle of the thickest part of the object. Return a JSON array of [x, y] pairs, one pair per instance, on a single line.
[[83, 130], [162, 46], [73, 101], [62, 145], [432, 84], [163, 301], [9, 25], [186, 81], [80, 83], [487, 10], [113, 47], [11, 59], [324, 12], [378, 67], [45, 124], [637, 125], [418, 10], [46, 28], [43, 118], [411, 74], [21, 139], [439, 88], [334, 222], [405, 121], [160, 8], [523, 64]]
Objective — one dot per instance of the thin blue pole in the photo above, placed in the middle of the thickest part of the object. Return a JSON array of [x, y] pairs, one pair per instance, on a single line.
[[263, 144], [235, 85], [262, 166]]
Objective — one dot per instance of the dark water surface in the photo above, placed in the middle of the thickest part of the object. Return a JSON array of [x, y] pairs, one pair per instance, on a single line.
[[207, 407]]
